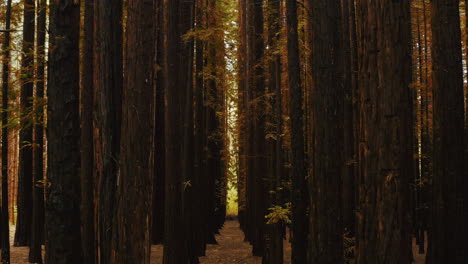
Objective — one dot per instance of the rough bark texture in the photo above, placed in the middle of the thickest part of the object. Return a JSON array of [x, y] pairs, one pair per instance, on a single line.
[[273, 253], [242, 119], [349, 157], [135, 180], [199, 125], [37, 228], [25, 169], [63, 240], [448, 227], [108, 80], [157, 233], [299, 173], [178, 61], [327, 99], [4, 220], [385, 161], [257, 103], [87, 146]]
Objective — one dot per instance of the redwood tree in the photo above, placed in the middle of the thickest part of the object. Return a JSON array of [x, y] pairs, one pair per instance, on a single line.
[[385, 133], [327, 99], [273, 253], [134, 184], [157, 232], [108, 81], [25, 169], [87, 146], [449, 210], [178, 63], [63, 239], [4, 220], [37, 228], [299, 173]]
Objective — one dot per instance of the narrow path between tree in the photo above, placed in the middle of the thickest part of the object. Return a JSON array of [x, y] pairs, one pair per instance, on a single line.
[[231, 249]]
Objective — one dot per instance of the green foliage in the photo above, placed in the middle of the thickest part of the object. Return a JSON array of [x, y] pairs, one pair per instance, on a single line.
[[279, 214]]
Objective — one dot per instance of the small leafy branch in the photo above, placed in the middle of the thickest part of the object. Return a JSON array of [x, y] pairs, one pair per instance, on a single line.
[[279, 214]]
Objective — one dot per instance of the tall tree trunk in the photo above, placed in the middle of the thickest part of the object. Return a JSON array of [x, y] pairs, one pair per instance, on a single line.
[[355, 106], [108, 80], [135, 180], [63, 240], [299, 173], [383, 233], [25, 171], [349, 156], [87, 145], [4, 221], [242, 119], [159, 138], [178, 59], [258, 107], [273, 253], [448, 227], [327, 99], [37, 228], [199, 121]]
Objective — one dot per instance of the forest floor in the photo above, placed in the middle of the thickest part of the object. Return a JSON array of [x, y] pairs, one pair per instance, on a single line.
[[231, 249]]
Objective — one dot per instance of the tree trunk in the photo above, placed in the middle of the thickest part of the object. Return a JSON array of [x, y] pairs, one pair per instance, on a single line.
[[385, 164], [135, 180], [349, 156], [299, 173], [178, 76], [258, 107], [448, 228], [63, 240], [37, 228], [108, 80], [273, 253], [327, 99], [159, 138], [4, 221], [242, 116], [25, 169], [87, 146]]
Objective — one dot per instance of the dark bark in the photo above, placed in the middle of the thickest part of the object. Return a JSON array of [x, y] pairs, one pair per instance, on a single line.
[[214, 123], [135, 180], [448, 228], [108, 80], [349, 157], [25, 167], [242, 119], [157, 232], [385, 160], [258, 108], [4, 221], [191, 184], [299, 173], [63, 240], [87, 144], [37, 228], [179, 100], [327, 99], [273, 253], [199, 129]]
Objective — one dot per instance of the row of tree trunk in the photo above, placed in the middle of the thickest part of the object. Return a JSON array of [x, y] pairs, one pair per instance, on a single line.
[[142, 149], [374, 158]]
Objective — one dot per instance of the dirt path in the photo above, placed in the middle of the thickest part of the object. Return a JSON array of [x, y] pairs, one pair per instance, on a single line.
[[231, 249]]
